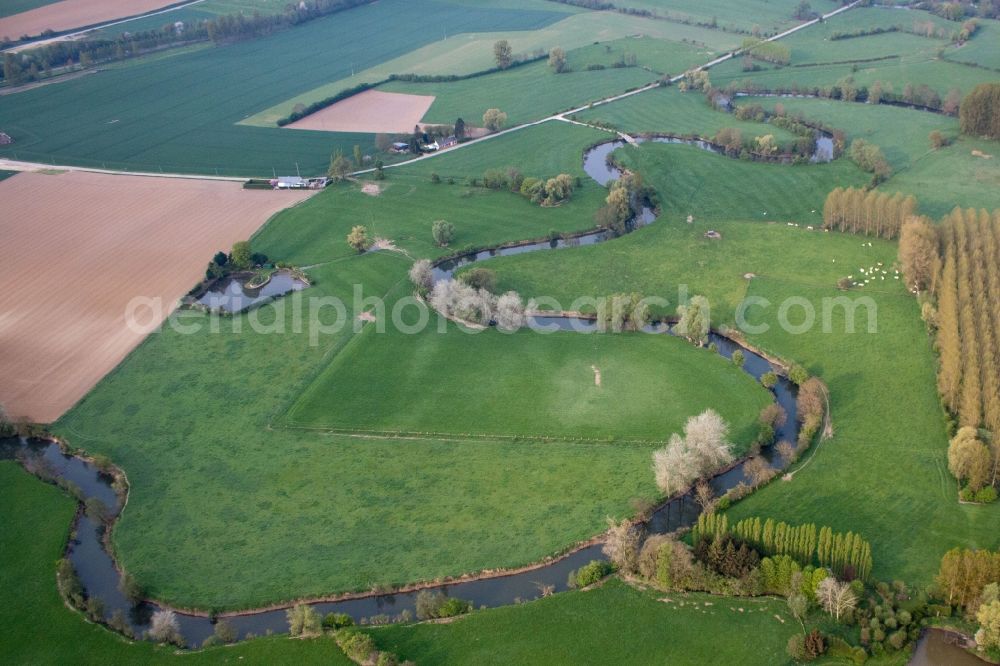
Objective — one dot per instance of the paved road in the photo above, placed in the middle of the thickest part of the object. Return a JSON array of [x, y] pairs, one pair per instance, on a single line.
[[12, 165]]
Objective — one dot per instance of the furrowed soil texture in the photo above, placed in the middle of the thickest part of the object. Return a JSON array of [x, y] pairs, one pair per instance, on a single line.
[[80, 246]]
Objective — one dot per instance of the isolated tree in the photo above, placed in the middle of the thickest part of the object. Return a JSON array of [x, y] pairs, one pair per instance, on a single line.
[[622, 544], [969, 458], [707, 436], [422, 275], [675, 466], [509, 312], [557, 60], [379, 170], [494, 119], [835, 597], [164, 628], [459, 129], [340, 167], [358, 239], [503, 54], [803, 11], [443, 232], [383, 142], [358, 157], [937, 139], [695, 320], [241, 255], [303, 620]]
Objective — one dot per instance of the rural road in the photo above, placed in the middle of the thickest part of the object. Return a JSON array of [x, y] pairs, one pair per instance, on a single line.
[[14, 165]]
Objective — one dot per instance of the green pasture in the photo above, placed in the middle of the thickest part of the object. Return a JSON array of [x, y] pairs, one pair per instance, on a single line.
[[940, 179], [981, 49], [191, 417], [669, 111], [614, 623], [450, 381], [886, 462]]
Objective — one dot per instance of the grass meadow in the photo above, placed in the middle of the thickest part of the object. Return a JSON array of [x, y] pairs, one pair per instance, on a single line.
[[36, 627], [981, 49], [527, 384], [614, 623], [669, 111], [189, 417], [940, 179], [884, 473]]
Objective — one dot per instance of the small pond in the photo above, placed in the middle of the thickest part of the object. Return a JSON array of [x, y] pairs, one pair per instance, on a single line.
[[232, 295]]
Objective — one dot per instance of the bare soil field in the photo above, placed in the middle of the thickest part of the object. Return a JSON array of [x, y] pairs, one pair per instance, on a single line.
[[371, 111], [69, 14], [79, 247]]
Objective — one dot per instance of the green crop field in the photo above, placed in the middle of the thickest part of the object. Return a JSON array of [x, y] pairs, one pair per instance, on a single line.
[[887, 457], [551, 92], [611, 624], [473, 52], [940, 179], [156, 115], [667, 110], [11, 7], [770, 16]]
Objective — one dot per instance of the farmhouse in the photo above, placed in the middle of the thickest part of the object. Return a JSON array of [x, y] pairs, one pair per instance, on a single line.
[[291, 183], [400, 147]]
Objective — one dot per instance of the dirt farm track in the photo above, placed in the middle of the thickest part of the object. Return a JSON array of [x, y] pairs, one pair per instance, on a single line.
[[79, 247], [70, 14]]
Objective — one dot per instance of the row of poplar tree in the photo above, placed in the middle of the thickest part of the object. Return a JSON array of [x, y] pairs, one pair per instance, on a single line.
[[870, 212], [846, 554]]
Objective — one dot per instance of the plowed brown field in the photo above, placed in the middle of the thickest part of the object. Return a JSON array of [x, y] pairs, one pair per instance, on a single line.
[[69, 14], [78, 247], [371, 111]]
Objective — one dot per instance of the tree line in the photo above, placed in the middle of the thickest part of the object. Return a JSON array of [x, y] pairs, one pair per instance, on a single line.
[[954, 268], [847, 554], [868, 212]]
